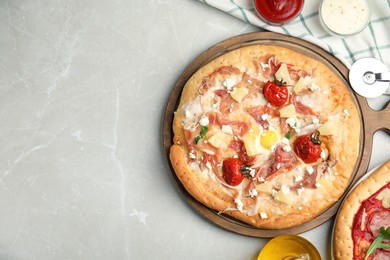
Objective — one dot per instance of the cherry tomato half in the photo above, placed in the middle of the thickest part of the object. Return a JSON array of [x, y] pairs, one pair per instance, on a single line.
[[308, 147], [275, 94], [231, 169]]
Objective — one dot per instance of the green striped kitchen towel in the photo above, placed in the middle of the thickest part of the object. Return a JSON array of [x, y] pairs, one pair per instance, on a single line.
[[374, 41]]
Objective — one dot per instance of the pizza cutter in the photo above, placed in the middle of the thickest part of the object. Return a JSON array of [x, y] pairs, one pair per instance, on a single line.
[[370, 78]]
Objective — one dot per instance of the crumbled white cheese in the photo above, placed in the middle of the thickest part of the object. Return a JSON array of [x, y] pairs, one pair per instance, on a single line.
[[316, 121], [291, 121], [264, 116], [300, 208], [261, 179], [298, 178], [309, 169], [323, 154], [252, 173], [317, 185], [263, 215], [239, 204], [335, 173], [300, 190], [204, 121], [227, 129], [229, 83], [278, 166], [253, 192], [287, 148], [285, 189], [314, 87], [285, 140], [264, 65], [273, 192], [191, 156]]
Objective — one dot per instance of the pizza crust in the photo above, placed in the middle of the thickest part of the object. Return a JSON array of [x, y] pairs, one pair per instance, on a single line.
[[343, 146], [342, 239]]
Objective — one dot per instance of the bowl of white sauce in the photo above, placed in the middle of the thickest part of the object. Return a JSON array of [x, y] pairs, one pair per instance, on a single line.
[[344, 17]]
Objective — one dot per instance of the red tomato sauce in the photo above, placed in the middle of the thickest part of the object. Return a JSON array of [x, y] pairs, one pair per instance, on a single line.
[[278, 12]]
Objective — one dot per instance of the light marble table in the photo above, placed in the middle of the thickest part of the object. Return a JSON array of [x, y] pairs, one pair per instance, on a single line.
[[83, 87]]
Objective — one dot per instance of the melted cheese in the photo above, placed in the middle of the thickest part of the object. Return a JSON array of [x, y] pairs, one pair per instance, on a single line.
[[220, 140], [238, 94], [282, 74], [300, 85], [288, 111]]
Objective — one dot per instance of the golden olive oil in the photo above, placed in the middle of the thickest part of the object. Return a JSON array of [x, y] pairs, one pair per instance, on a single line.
[[289, 247]]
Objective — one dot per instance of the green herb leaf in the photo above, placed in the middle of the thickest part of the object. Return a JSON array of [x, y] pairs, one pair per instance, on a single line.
[[288, 135], [203, 131], [202, 134], [377, 243], [386, 232], [196, 140]]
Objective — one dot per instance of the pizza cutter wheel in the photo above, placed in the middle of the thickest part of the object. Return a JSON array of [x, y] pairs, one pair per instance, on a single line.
[[370, 78]]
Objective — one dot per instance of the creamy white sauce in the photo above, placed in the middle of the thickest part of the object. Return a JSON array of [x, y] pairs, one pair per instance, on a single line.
[[345, 16]]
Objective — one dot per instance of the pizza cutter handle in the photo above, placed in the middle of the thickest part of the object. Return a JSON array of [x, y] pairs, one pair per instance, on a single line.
[[384, 76], [371, 78]]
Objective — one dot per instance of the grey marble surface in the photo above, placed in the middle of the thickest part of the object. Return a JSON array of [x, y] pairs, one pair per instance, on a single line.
[[83, 87]]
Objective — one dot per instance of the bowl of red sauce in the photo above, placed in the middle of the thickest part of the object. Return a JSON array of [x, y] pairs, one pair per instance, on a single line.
[[278, 12]]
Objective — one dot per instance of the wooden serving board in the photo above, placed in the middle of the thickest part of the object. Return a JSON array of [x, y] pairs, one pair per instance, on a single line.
[[371, 121]]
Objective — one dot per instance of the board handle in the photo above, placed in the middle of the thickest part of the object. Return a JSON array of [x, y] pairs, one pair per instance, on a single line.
[[375, 120], [372, 121]]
